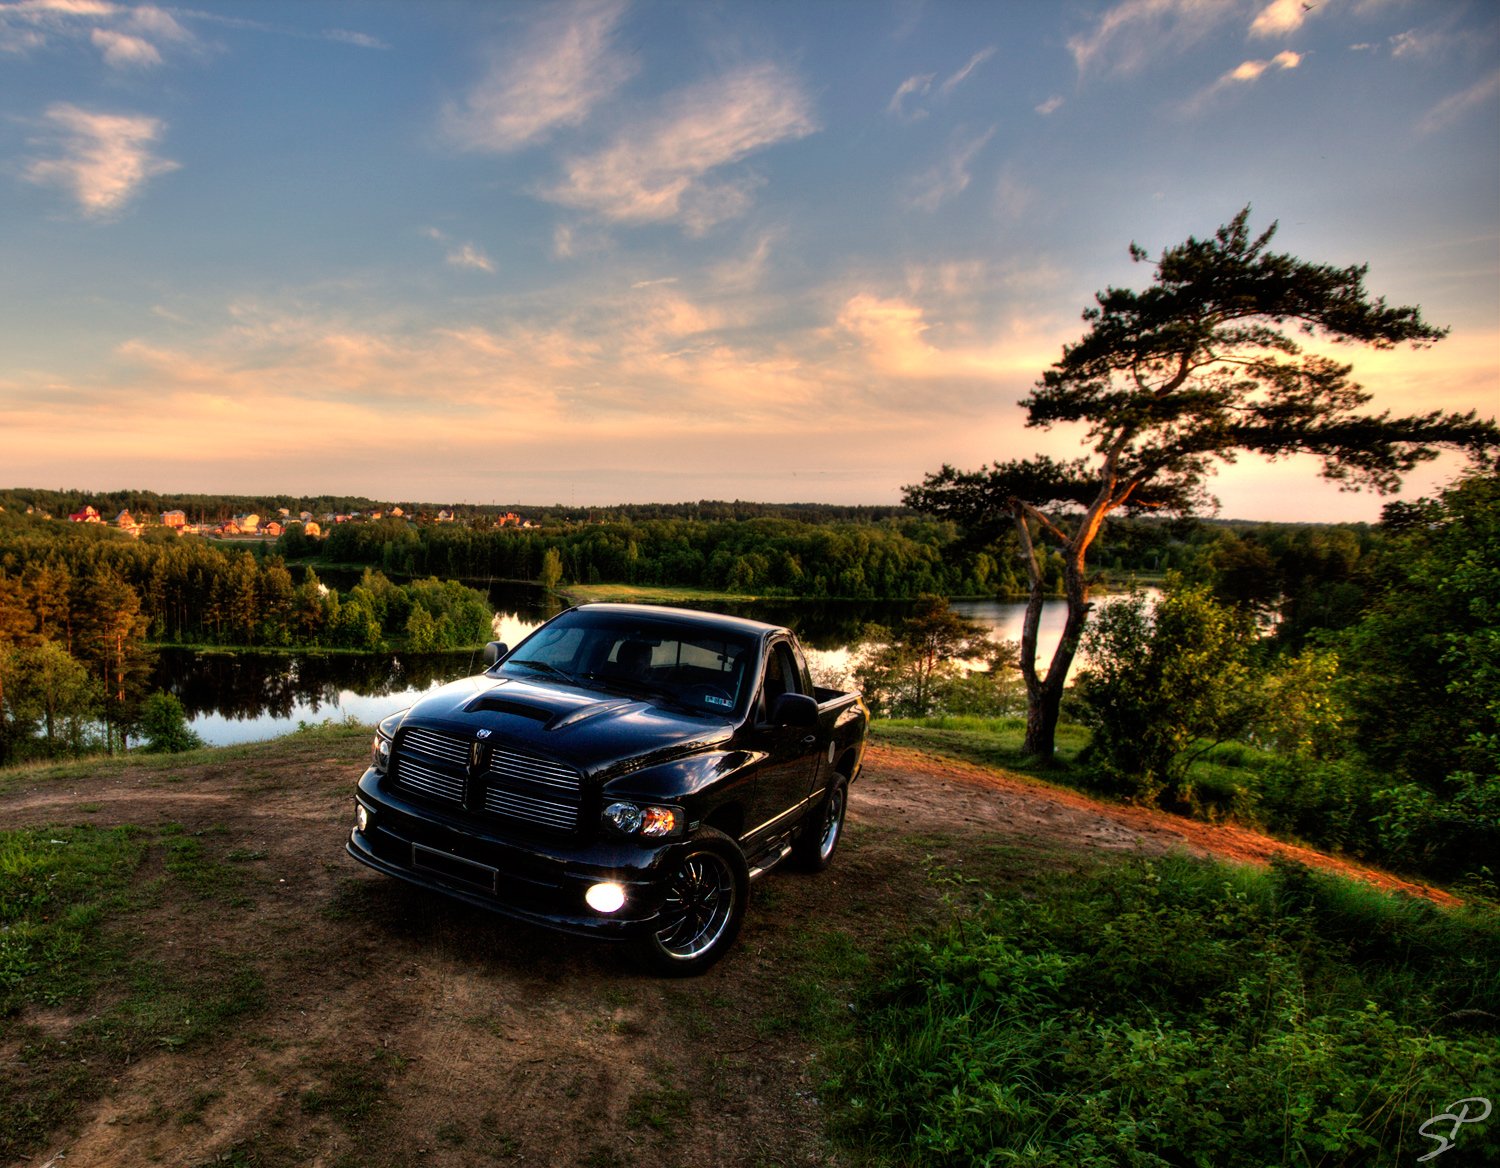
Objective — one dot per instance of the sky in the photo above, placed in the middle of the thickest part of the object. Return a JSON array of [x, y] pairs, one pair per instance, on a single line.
[[647, 251]]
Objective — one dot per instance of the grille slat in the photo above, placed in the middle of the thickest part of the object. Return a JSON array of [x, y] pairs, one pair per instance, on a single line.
[[435, 745], [563, 816], [434, 764], [447, 787]]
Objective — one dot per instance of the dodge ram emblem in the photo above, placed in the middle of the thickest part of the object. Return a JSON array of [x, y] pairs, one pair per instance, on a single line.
[[481, 734]]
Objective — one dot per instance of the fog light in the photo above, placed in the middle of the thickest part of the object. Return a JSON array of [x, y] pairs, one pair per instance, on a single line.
[[361, 817], [605, 898]]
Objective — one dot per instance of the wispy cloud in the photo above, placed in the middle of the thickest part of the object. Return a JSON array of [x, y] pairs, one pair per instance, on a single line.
[[1481, 93], [101, 160], [663, 169], [122, 51], [963, 74], [562, 67], [126, 36], [1245, 73], [915, 86], [1280, 18], [1132, 34], [905, 103], [952, 175], [470, 256]]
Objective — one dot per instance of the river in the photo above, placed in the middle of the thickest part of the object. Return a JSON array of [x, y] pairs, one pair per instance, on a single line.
[[246, 697]]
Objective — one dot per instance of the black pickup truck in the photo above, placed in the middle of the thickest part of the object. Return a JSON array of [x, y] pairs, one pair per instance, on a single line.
[[624, 772]]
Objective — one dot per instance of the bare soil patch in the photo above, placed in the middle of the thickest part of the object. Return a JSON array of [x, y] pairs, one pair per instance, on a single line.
[[400, 1029]]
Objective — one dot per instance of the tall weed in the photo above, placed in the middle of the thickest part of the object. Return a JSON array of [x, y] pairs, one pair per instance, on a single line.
[[1177, 1013]]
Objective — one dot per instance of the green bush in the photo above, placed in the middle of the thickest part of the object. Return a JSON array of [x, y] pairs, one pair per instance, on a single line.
[[1177, 1013]]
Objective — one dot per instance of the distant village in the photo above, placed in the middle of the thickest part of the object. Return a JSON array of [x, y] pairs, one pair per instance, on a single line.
[[253, 526]]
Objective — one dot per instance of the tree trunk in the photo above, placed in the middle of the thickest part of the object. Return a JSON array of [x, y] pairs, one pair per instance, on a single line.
[[1044, 694]]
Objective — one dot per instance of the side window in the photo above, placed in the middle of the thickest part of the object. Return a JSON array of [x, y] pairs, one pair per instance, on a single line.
[[782, 676]]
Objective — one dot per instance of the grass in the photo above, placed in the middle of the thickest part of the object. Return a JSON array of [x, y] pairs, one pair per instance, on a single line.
[[992, 742], [70, 900], [1176, 1012], [650, 594]]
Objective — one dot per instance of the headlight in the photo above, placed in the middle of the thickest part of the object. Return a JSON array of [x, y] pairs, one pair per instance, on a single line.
[[648, 822], [385, 733]]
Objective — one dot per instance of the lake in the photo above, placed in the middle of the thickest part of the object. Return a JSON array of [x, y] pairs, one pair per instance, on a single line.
[[238, 697]]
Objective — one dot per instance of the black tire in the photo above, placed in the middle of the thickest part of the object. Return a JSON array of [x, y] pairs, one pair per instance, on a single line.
[[707, 893], [822, 830]]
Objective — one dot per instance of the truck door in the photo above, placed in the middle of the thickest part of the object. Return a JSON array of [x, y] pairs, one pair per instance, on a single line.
[[785, 775]]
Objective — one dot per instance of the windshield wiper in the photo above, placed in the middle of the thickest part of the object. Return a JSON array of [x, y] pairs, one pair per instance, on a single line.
[[542, 667]]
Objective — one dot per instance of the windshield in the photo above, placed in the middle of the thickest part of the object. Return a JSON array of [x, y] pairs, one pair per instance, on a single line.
[[696, 669]]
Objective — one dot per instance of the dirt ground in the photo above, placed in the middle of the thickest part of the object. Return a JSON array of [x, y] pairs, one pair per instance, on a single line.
[[399, 1029]]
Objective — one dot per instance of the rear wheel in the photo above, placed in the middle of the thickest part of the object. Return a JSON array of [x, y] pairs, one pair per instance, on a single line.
[[705, 904], [823, 830]]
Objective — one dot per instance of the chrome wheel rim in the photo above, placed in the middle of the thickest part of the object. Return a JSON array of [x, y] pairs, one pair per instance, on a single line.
[[700, 902], [833, 823]]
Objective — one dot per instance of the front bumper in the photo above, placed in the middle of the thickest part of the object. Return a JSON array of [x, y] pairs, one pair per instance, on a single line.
[[529, 879]]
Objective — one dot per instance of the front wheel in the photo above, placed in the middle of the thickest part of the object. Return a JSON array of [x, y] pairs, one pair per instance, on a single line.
[[821, 833], [705, 903]]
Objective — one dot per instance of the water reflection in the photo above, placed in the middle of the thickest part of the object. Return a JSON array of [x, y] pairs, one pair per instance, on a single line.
[[233, 698]]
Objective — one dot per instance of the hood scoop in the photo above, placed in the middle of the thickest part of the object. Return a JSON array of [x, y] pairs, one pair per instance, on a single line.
[[499, 705], [584, 713]]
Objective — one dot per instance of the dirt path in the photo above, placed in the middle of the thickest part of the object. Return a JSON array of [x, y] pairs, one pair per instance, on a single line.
[[398, 1029]]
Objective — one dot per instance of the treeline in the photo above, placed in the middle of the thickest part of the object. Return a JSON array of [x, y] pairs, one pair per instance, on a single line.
[[62, 503], [894, 558], [82, 606]]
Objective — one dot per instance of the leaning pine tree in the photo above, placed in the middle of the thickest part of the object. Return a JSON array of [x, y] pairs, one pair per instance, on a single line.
[[1202, 365]]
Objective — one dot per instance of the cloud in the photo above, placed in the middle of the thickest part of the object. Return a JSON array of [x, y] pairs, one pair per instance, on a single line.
[[660, 170], [360, 40], [469, 256], [126, 37], [1279, 18], [962, 75], [951, 176], [1245, 73], [1481, 93], [561, 69], [1132, 34], [903, 106], [122, 52], [920, 85], [102, 160], [1050, 106]]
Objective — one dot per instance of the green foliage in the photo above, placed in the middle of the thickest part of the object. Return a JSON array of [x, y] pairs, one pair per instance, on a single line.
[[1424, 662], [911, 670], [49, 702], [1162, 685], [164, 724], [1175, 1013]]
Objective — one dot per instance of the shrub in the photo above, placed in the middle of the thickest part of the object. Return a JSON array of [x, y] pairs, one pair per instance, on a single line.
[[1177, 1013]]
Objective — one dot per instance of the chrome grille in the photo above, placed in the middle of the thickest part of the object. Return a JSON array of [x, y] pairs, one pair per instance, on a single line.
[[432, 763], [427, 781], [537, 790], [434, 744], [561, 816], [435, 764]]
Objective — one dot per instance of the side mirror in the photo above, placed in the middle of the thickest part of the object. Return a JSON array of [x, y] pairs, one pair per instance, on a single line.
[[494, 653], [794, 709]]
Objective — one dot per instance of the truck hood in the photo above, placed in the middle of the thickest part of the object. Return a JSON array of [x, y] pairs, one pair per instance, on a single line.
[[589, 729]]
